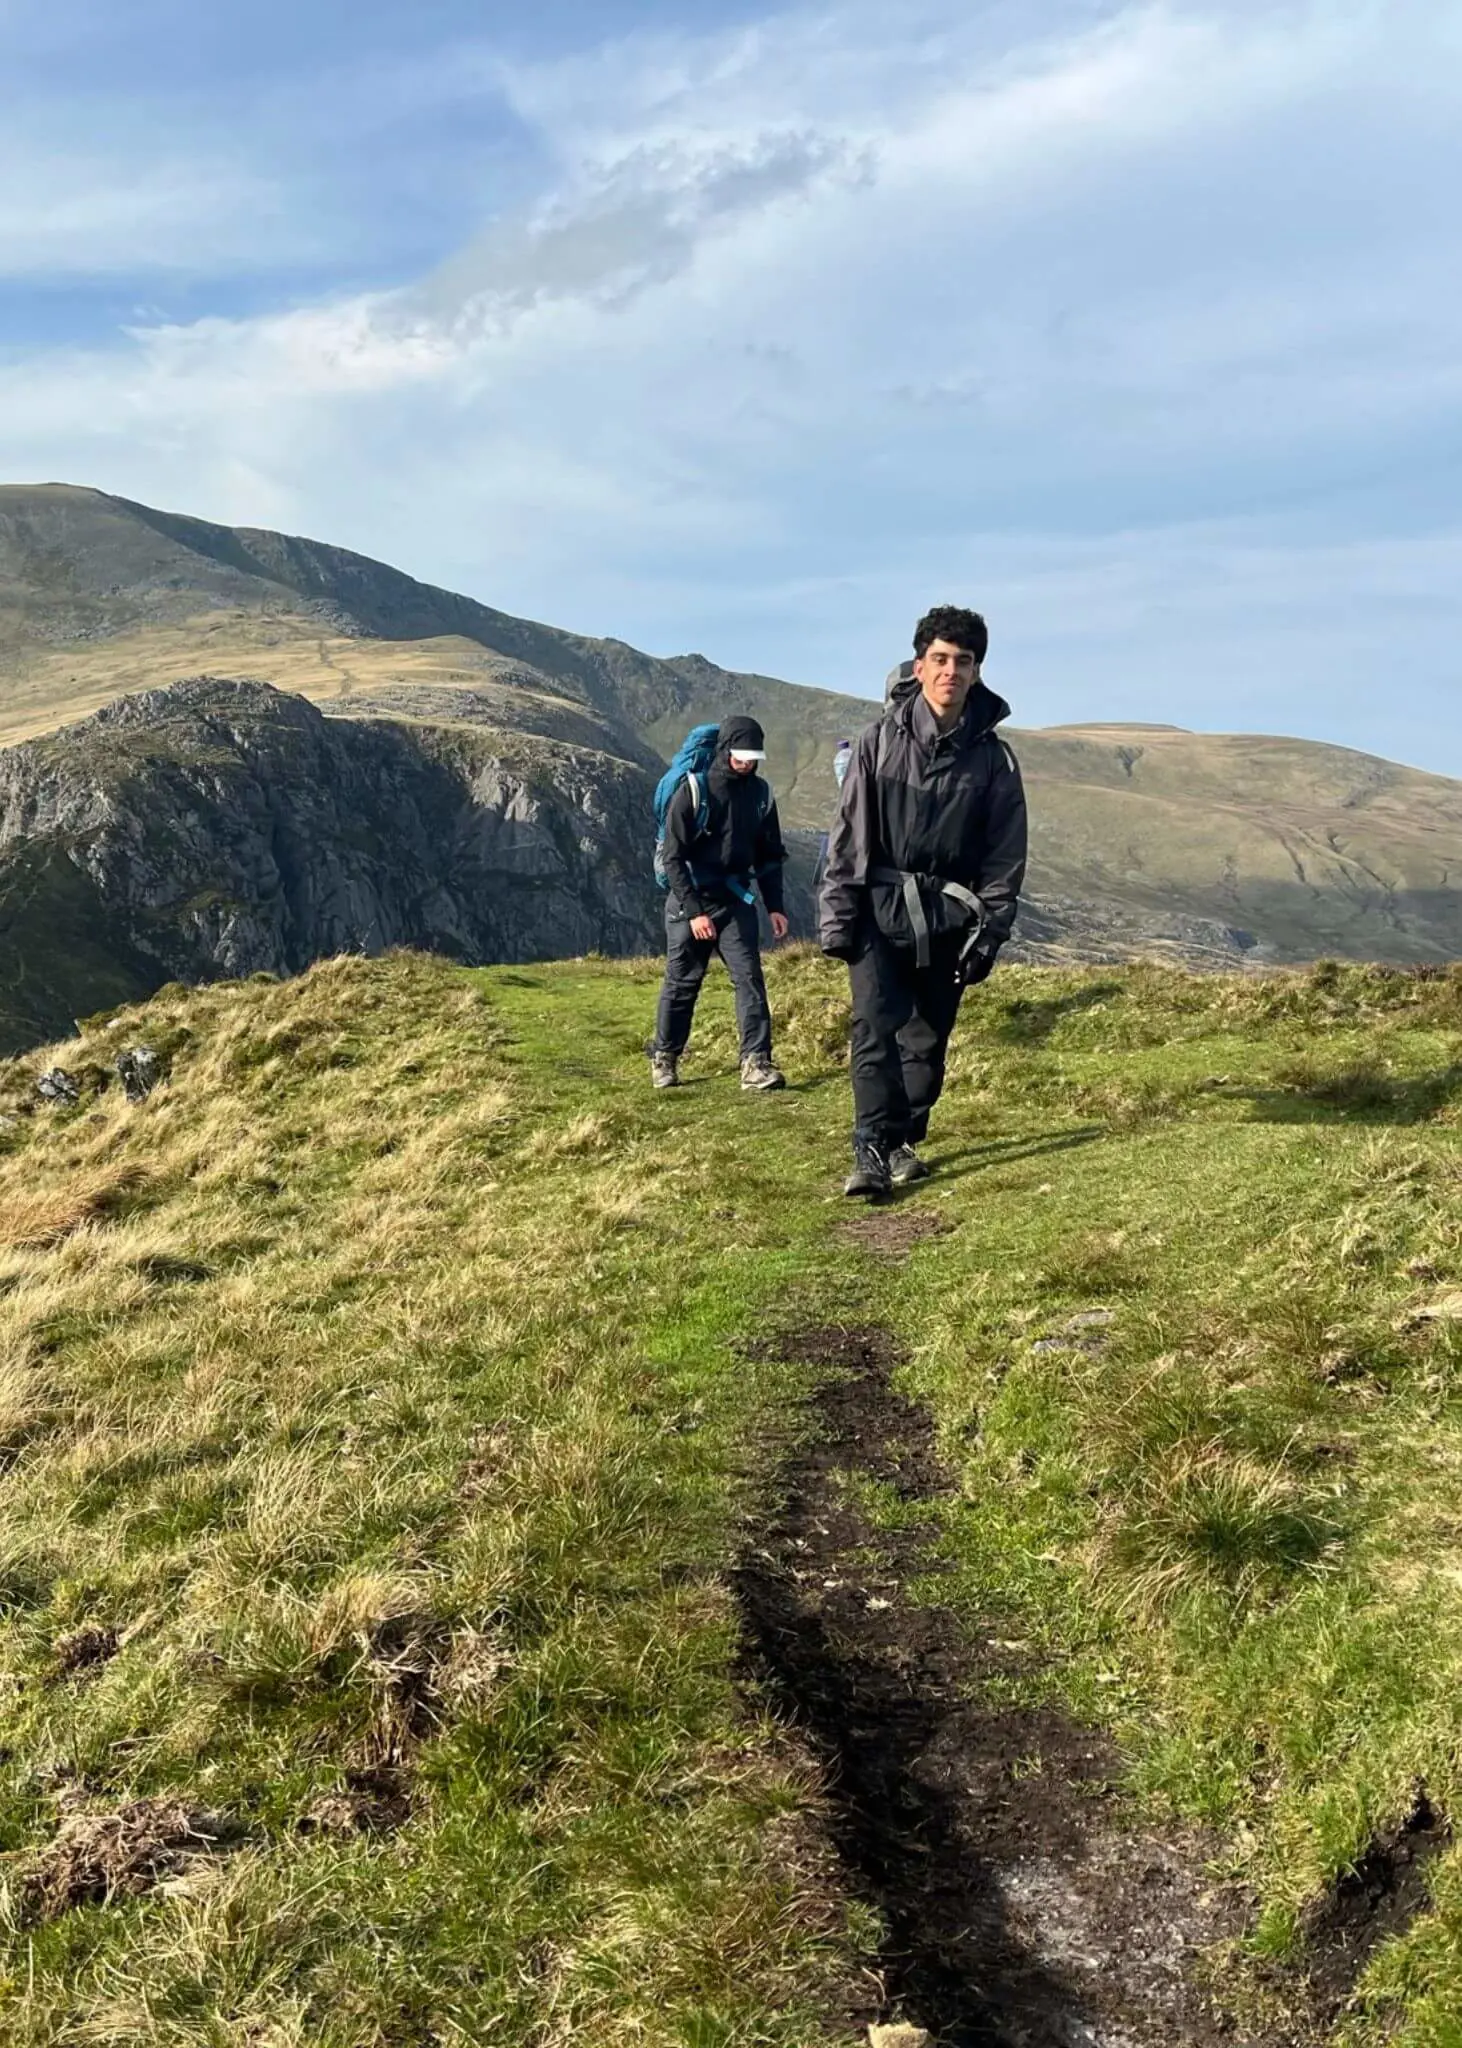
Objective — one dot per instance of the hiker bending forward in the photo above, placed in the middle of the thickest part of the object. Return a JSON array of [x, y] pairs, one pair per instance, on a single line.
[[718, 842], [923, 878]]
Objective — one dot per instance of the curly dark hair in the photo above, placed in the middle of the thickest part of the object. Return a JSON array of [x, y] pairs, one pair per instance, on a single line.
[[953, 623]]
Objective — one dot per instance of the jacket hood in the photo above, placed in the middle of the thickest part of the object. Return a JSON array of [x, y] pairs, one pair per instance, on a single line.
[[739, 736], [984, 711]]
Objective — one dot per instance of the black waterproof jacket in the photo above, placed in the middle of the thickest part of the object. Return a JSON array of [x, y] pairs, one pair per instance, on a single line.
[[741, 844], [949, 807]]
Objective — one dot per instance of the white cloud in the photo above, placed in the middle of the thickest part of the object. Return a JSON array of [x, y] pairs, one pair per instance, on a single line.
[[68, 214], [632, 223], [845, 289]]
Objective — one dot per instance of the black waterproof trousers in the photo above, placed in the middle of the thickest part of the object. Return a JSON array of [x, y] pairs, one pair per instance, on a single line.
[[738, 941], [902, 1017]]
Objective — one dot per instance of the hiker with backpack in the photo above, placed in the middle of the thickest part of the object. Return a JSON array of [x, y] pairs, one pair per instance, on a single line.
[[719, 841], [923, 879]]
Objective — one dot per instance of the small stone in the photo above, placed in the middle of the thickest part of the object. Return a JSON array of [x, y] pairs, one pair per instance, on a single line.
[[899, 2037], [56, 1085]]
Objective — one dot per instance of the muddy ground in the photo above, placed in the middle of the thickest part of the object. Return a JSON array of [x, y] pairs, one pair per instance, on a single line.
[[1024, 1907]]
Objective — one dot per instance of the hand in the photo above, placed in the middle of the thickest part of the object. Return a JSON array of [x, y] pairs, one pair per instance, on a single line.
[[977, 964], [703, 928], [780, 926]]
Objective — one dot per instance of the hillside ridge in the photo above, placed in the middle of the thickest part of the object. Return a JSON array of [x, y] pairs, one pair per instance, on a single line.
[[1215, 849]]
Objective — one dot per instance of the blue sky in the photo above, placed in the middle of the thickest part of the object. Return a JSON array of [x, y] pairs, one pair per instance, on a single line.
[[752, 331]]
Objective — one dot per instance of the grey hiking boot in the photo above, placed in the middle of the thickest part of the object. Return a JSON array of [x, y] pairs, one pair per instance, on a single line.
[[905, 1166], [870, 1175], [758, 1072], [664, 1069]]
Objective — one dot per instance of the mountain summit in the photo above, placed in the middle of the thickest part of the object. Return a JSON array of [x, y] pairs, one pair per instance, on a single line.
[[1211, 849]]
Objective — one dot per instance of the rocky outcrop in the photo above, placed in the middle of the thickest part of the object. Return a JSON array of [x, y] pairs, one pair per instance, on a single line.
[[224, 828], [485, 790], [1055, 931]]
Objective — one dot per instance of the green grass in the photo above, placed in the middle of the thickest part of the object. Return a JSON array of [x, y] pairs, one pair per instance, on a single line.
[[376, 1386]]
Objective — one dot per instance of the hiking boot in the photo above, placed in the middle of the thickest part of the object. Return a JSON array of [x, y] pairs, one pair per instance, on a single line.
[[870, 1175], [757, 1072], [905, 1166], [664, 1069]]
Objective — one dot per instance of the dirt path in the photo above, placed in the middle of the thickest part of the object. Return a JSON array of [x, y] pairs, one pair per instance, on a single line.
[[1023, 1911]]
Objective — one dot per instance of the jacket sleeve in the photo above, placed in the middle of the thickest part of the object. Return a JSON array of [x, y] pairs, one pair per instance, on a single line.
[[771, 855], [850, 850], [1002, 859], [679, 838]]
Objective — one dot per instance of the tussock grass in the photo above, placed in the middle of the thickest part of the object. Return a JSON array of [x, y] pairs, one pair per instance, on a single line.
[[38, 1217], [1232, 1509], [348, 1504], [1211, 1522], [374, 1450]]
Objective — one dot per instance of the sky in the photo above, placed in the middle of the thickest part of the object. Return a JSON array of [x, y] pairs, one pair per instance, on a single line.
[[753, 331]]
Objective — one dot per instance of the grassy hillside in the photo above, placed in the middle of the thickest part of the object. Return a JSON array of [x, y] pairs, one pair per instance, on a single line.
[[1209, 848], [444, 678], [389, 1398]]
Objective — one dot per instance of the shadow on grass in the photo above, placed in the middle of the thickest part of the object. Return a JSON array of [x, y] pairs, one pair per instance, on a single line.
[[1031, 1023], [1009, 1152], [1353, 1095]]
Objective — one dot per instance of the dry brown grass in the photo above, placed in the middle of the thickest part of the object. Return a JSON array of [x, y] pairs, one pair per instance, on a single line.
[[341, 1504], [31, 1219]]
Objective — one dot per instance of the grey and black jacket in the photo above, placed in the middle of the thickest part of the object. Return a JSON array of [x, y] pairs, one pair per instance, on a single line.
[[943, 808]]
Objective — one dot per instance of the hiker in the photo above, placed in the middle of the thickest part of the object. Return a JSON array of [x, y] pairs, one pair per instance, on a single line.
[[720, 834], [923, 878]]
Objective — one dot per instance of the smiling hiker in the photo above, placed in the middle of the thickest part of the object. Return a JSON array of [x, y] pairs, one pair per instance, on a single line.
[[921, 887], [719, 835]]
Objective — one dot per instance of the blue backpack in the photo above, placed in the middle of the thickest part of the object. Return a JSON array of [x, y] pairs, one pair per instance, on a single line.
[[691, 763]]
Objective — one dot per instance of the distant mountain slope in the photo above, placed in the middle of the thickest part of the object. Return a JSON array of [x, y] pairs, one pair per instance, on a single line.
[[1212, 848]]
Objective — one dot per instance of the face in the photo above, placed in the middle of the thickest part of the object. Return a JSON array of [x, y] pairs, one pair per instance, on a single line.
[[946, 675], [743, 764]]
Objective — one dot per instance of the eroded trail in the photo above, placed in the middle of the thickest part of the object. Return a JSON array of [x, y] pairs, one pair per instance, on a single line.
[[1020, 1908]]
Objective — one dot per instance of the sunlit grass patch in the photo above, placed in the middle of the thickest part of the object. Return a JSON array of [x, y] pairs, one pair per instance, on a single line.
[[371, 1468], [1209, 1522], [1199, 1381], [345, 1506]]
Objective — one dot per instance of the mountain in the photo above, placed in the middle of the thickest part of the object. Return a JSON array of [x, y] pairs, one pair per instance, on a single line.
[[225, 828], [99, 596], [1209, 849]]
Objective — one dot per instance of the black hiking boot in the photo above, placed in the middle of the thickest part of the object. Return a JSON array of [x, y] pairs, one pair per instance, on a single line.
[[905, 1166], [758, 1072], [870, 1175]]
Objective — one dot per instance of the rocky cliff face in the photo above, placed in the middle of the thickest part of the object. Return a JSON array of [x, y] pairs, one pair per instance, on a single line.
[[498, 808], [223, 828]]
